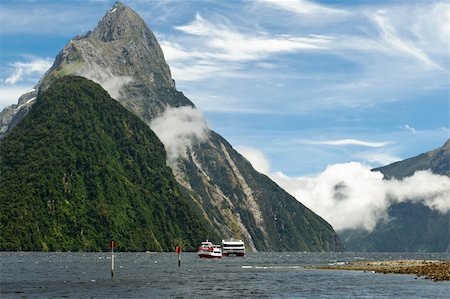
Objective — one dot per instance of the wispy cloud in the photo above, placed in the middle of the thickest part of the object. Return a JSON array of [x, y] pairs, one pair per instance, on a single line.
[[388, 53], [409, 128], [231, 45], [37, 66], [350, 142], [391, 38], [220, 49], [303, 7]]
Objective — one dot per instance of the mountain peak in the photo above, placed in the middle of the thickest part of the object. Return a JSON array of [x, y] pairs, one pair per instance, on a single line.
[[117, 4], [120, 22]]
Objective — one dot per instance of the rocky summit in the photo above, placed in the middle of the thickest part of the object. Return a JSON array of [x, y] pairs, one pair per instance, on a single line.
[[123, 56]]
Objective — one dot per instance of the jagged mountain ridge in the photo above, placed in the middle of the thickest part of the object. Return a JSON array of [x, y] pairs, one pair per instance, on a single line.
[[237, 200], [412, 226], [80, 170]]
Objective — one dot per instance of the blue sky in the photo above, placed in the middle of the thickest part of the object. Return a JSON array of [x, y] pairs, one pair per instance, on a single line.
[[299, 85]]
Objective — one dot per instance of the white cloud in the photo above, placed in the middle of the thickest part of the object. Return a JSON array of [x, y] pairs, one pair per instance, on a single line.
[[179, 129], [346, 195], [231, 45], [9, 94], [409, 128], [113, 84], [256, 158], [350, 142], [435, 189], [37, 66], [395, 42], [372, 57], [303, 7], [351, 196], [220, 50]]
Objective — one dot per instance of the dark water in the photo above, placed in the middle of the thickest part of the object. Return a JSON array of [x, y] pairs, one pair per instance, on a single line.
[[157, 275]]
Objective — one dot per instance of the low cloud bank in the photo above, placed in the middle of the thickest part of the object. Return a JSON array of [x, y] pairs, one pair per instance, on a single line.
[[431, 189], [179, 129], [351, 196]]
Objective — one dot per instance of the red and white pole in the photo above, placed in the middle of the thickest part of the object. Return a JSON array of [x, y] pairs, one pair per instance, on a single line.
[[112, 245], [178, 251]]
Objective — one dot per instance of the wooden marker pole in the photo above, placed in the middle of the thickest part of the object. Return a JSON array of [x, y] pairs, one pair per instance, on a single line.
[[178, 251], [112, 244]]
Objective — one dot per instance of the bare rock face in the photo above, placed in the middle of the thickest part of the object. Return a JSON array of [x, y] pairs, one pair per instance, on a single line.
[[124, 57]]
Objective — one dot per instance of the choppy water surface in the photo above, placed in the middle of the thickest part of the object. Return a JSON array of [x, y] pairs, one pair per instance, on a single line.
[[157, 275]]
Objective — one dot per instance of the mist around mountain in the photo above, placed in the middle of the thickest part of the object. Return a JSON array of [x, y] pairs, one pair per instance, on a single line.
[[123, 56], [80, 170], [410, 226]]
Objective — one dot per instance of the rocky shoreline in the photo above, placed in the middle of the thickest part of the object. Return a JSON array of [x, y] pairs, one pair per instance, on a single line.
[[436, 270]]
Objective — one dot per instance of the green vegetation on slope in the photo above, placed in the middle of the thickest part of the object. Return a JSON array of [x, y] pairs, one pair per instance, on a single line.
[[80, 170], [412, 227]]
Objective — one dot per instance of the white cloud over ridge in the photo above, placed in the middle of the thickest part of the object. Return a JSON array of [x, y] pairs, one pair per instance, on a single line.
[[179, 129], [351, 196], [435, 189], [113, 84]]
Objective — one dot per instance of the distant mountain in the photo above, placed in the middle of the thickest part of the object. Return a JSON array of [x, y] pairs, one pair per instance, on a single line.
[[437, 161], [80, 170], [412, 227], [123, 55]]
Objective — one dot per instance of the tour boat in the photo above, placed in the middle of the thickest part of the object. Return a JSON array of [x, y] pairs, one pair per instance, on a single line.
[[233, 246], [209, 250]]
